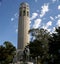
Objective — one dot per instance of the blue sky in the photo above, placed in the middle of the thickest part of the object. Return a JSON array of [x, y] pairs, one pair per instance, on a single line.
[[43, 14]]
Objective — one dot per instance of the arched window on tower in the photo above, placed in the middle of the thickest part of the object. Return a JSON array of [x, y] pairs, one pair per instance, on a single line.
[[24, 13], [27, 13]]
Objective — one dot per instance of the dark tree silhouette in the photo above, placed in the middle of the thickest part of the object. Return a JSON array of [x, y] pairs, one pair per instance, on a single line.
[[7, 53], [54, 46]]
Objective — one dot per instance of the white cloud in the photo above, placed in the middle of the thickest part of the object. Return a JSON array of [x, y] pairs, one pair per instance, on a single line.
[[53, 29], [34, 15], [35, 0], [30, 22], [12, 19], [51, 18], [16, 15], [47, 25], [58, 22], [16, 30], [49, 30], [58, 7], [37, 23], [44, 27], [57, 17], [54, 1], [45, 8]]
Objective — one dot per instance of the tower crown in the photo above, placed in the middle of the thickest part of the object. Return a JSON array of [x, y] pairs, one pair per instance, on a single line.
[[24, 9], [24, 4]]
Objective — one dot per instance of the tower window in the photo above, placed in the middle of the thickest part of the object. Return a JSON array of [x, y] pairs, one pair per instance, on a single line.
[[24, 7], [24, 13], [27, 13], [20, 13]]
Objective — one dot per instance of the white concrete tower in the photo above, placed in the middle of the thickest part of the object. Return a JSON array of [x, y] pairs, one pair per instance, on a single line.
[[23, 25]]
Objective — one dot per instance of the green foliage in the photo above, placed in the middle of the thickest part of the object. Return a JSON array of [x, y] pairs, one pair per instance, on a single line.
[[35, 48], [54, 46], [7, 53], [39, 46], [45, 45]]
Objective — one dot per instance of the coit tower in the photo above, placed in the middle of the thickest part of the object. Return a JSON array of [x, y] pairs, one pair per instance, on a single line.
[[23, 25]]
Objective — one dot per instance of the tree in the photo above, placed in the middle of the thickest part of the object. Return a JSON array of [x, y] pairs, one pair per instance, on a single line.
[[54, 46], [39, 46], [35, 48], [2, 56], [7, 53]]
